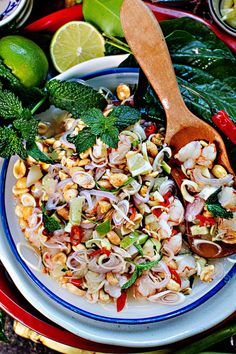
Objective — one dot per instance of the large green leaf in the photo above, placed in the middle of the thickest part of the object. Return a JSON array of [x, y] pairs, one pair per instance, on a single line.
[[104, 14]]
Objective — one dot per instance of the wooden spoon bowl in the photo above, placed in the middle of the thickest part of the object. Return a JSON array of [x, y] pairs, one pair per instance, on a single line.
[[148, 45]]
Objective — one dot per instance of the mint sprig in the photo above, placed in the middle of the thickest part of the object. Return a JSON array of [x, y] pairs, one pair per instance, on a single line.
[[216, 208], [105, 128]]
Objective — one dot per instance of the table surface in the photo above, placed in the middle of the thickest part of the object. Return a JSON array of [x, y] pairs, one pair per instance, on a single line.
[[17, 344]]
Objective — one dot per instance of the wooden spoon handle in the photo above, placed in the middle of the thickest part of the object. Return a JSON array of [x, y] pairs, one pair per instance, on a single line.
[[148, 44]]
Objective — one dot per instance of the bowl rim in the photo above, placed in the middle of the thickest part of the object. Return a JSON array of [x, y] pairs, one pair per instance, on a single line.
[[229, 29], [59, 300], [9, 18]]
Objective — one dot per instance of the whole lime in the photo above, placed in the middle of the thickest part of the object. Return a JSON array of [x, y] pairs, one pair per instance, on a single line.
[[25, 58]]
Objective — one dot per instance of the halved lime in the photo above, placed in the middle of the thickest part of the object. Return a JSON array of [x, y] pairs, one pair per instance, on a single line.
[[74, 43]]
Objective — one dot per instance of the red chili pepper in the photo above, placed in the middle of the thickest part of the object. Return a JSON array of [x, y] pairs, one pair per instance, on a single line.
[[222, 120], [151, 129], [52, 22], [166, 197], [121, 301], [100, 251], [174, 275], [174, 232], [205, 220], [75, 235], [76, 282], [157, 212], [133, 212]]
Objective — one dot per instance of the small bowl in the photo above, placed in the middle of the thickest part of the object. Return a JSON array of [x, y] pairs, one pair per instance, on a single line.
[[215, 10], [10, 10]]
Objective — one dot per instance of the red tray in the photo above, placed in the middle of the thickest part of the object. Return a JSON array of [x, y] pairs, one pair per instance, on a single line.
[[11, 301]]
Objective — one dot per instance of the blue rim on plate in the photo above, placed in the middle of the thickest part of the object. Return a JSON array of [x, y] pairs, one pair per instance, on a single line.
[[64, 303]]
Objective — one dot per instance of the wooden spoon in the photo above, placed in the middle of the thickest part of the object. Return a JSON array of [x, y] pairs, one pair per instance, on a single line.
[[148, 45]]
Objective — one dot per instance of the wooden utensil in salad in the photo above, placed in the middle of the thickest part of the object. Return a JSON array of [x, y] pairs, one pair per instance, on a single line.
[[148, 45]]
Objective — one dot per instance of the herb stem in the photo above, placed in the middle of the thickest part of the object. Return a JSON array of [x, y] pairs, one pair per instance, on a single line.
[[36, 107], [119, 46], [116, 40]]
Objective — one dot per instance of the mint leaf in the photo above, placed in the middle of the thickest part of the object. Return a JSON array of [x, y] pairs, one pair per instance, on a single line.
[[125, 116], [11, 144], [111, 137], [33, 151], [10, 105], [216, 208], [213, 198], [104, 228], [83, 140], [74, 97], [49, 222], [27, 126], [218, 211]]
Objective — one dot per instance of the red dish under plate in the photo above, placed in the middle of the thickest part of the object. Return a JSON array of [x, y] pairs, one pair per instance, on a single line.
[[55, 20], [11, 301]]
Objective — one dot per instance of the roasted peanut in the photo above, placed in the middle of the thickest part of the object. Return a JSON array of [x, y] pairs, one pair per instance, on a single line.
[[151, 148], [123, 92], [104, 206], [105, 184], [103, 297], [173, 285], [206, 273], [64, 213], [111, 278], [19, 169], [59, 258], [85, 154], [118, 179], [113, 238], [26, 212], [21, 183], [73, 289], [219, 171], [143, 190], [83, 162], [70, 194]]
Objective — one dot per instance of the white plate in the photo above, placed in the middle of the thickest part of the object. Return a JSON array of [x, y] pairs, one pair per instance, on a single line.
[[216, 309], [170, 331], [136, 312]]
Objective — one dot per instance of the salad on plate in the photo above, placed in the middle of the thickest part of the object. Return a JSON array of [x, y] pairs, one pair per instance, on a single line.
[[105, 219]]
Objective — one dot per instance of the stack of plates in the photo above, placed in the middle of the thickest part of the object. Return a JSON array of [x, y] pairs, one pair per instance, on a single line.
[[139, 324], [14, 13]]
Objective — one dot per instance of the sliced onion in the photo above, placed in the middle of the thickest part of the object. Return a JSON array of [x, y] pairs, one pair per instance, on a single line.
[[53, 201], [36, 223], [63, 183], [174, 243], [185, 193], [167, 186], [88, 198], [112, 290], [121, 212], [168, 297], [215, 182], [65, 142], [132, 188], [140, 131], [88, 225], [56, 245], [103, 194], [81, 262], [199, 242], [19, 247], [160, 156], [194, 209]]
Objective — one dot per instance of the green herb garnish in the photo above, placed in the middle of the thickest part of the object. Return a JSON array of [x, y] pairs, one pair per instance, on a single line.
[[49, 222], [74, 97], [216, 208], [104, 228], [139, 268]]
